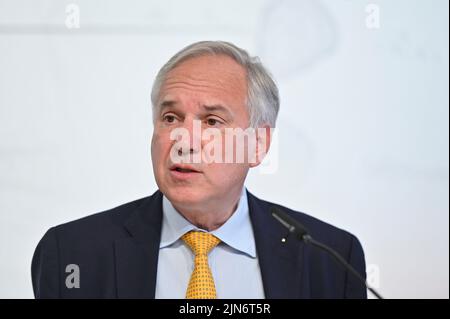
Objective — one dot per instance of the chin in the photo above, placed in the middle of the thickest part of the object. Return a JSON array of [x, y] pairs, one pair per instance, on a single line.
[[185, 195]]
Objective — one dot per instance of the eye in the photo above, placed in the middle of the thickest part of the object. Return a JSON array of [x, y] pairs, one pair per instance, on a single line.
[[169, 118], [212, 121]]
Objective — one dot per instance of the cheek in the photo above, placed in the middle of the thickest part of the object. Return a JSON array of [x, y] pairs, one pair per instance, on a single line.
[[226, 174], [160, 146]]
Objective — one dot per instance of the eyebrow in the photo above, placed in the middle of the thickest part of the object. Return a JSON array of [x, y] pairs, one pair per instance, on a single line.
[[209, 108], [165, 104], [218, 107]]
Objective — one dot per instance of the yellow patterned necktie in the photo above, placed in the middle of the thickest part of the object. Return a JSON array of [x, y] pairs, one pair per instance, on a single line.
[[201, 285]]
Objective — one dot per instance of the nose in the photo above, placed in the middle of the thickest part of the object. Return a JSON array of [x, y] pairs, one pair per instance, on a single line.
[[193, 145], [181, 151]]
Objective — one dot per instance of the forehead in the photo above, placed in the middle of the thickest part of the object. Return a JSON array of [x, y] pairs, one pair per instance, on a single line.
[[211, 78]]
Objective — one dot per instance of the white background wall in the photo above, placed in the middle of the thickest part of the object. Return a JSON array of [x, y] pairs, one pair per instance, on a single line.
[[363, 127]]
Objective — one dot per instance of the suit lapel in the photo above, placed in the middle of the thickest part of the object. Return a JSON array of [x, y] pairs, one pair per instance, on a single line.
[[280, 263], [137, 256]]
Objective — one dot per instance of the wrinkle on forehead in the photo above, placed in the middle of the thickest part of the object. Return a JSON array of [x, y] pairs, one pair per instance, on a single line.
[[216, 75]]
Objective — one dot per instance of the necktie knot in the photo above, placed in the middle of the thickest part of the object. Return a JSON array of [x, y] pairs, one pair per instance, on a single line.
[[200, 243]]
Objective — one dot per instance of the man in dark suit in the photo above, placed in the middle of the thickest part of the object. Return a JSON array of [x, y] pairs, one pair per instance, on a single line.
[[202, 234]]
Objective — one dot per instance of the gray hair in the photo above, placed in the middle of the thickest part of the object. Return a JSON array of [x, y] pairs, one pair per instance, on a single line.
[[262, 101]]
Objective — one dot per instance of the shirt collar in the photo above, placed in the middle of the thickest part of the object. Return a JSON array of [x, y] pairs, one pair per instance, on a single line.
[[236, 232]]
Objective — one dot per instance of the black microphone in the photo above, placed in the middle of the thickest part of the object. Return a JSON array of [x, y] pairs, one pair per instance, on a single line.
[[301, 233]]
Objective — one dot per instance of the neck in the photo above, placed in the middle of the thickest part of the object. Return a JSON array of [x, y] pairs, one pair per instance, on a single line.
[[210, 216]]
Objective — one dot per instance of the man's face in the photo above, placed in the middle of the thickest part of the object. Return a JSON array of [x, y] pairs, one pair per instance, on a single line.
[[213, 91]]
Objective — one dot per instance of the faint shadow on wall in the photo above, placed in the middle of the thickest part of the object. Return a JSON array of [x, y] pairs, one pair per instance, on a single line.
[[295, 35]]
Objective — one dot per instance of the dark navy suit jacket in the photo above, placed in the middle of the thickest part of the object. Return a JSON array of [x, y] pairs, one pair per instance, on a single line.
[[117, 255]]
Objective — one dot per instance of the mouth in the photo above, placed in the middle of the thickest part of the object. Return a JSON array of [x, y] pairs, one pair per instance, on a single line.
[[184, 168], [181, 171]]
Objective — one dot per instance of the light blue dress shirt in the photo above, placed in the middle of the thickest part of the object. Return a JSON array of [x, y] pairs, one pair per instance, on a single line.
[[233, 262]]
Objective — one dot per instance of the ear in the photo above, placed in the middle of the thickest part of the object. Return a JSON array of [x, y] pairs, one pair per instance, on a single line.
[[263, 139]]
